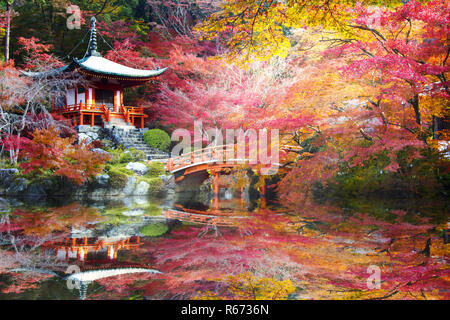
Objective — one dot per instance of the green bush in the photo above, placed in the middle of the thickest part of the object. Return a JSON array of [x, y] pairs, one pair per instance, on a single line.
[[156, 169], [158, 139], [137, 155], [155, 229], [117, 179], [126, 156], [156, 185]]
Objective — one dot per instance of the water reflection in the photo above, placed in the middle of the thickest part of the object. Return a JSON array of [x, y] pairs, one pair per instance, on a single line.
[[172, 249], [84, 248]]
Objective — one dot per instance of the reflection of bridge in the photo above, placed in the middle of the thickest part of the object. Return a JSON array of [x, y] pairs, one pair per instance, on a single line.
[[211, 217]]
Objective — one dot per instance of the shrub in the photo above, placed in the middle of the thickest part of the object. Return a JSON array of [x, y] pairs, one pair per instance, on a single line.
[[155, 229], [137, 155], [156, 185], [96, 144], [158, 139], [156, 169], [117, 179], [48, 151], [129, 155]]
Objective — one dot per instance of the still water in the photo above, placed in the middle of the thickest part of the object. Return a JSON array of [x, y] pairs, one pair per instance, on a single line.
[[140, 248]]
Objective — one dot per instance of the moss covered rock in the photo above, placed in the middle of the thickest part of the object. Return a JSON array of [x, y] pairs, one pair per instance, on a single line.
[[155, 229]]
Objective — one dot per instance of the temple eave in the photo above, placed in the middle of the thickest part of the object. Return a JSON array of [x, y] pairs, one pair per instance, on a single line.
[[113, 76]]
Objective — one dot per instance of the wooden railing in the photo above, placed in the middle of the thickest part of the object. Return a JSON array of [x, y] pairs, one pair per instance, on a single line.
[[98, 107], [200, 218], [135, 110], [107, 113], [218, 154], [130, 114], [126, 114], [211, 154], [80, 107]]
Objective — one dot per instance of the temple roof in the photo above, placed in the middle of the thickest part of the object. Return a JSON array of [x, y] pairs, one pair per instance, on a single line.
[[101, 66], [95, 65]]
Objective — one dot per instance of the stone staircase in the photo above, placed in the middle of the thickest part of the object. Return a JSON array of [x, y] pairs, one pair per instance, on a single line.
[[130, 137]]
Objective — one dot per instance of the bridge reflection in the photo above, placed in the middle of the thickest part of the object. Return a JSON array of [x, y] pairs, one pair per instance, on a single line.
[[214, 217]]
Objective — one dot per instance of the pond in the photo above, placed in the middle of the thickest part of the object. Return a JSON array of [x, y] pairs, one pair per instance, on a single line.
[[140, 248]]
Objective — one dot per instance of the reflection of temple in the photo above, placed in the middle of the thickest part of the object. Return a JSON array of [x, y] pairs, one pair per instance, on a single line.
[[79, 248], [89, 254]]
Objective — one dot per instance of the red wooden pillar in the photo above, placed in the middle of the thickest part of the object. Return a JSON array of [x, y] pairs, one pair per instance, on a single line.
[[216, 190], [142, 122], [81, 118], [92, 120]]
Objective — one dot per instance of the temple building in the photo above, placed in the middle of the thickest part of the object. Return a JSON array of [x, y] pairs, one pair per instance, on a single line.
[[100, 103]]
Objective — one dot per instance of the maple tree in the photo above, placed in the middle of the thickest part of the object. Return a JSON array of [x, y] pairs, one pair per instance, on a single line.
[[259, 29], [48, 151]]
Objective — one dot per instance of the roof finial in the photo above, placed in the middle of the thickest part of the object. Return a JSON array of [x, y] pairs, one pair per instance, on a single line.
[[93, 42]]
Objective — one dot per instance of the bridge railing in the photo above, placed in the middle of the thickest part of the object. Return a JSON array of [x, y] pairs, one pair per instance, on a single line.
[[200, 219], [211, 154], [218, 154]]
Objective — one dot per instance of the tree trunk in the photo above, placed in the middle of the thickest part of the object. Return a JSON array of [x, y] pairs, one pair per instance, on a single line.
[[415, 104], [8, 30]]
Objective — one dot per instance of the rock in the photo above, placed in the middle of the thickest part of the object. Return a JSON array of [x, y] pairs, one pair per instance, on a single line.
[[129, 187], [100, 151], [18, 187], [102, 180], [35, 192], [4, 205], [83, 137], [141, 188], [169, 181], [7, 175], [138, 168]]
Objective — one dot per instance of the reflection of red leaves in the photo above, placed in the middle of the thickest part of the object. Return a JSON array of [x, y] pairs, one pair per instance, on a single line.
[[23, 282]]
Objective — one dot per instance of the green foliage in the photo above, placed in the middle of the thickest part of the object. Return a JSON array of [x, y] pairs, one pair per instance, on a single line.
[[126, 156], [158, 139], [414, 178], [118, 179], [156, 186], [154, 230], [115, 214], [156, 169]]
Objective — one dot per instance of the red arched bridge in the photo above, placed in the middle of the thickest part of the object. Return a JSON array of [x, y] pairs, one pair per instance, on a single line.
[[215, 159]]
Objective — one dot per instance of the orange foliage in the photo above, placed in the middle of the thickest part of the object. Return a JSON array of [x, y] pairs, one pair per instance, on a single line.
[[48, 151]]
